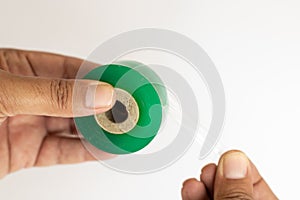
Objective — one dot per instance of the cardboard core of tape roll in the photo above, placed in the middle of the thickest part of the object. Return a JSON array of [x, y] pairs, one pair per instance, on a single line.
[[122, 117]]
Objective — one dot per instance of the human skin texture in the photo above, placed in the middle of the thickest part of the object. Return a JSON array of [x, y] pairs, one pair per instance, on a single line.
[[36, 125]]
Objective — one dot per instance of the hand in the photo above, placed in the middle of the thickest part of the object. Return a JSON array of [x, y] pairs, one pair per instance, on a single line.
[[36, 91], [235, 177]]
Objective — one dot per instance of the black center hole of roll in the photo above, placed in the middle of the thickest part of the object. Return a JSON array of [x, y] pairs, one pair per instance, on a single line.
[[118, 113]]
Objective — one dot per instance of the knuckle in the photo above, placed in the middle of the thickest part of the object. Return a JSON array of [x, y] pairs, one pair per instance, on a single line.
[[237, 195], [61, 93]]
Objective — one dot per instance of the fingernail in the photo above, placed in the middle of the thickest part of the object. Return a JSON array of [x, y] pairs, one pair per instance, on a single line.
[[235, 165], [99, 96]]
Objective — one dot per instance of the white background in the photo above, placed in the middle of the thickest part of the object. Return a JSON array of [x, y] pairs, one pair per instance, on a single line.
[[255, 46]]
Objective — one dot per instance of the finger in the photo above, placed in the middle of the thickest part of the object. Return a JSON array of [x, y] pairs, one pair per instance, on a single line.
[[208, 177], [261, 189], [63, 127], [25, 135], [58, 124], [34, 63], [4, 150], [238, 177], [2, 119], [233, 177], [52, 97], [59, 150], [193, 190]]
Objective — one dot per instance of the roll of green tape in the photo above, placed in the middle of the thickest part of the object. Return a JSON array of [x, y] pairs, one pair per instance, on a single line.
[[149, 105], [153, 78]]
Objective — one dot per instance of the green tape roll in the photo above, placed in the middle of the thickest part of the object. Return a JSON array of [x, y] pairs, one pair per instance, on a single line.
[[154, 79], [150, 111]]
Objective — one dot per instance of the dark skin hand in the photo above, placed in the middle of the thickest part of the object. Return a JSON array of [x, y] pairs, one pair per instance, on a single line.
[[36, 126], [235, 177]]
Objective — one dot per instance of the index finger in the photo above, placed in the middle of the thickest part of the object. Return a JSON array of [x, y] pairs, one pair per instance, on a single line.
[[36, 63]]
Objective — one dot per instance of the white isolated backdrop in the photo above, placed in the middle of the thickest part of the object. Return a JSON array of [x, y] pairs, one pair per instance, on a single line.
[[255, 46]]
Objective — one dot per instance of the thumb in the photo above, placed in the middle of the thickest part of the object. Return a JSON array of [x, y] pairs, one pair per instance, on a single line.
[[233, 177], [52, 97]]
